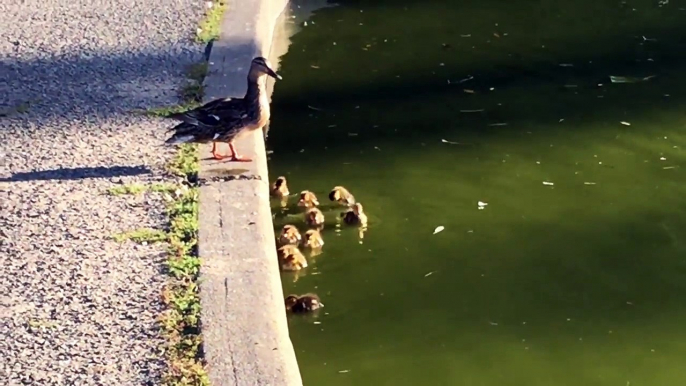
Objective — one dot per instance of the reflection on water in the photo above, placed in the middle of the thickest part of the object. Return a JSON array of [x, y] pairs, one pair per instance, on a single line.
[[574, 273]]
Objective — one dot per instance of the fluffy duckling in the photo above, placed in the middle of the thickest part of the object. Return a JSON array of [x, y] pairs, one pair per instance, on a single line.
[[341, 195], [289, 235], [313, 239], [291, 258], [314, 218], [302, 304], [308, 199], [355, 216], [279, 188]]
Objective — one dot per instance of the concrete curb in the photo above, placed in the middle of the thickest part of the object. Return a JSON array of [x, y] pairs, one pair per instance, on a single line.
[[243, 318]]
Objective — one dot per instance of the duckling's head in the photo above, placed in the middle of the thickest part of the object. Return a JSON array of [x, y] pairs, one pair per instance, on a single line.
[[281, 181], [260, 66], [335, 194], [314, 216], [290, 234], [291, 301], [357, 209], [311, 302], [307, 199], [313, 238]]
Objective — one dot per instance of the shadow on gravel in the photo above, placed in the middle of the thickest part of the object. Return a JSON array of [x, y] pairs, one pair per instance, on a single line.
[[79, 173]]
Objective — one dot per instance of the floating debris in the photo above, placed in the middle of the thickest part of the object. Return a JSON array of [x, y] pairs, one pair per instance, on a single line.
[[315, 67], [466, 36], [498, 124], [566, 65], [467, 79], [450, 142], [625, 123], [481, 205], [343, 371], [313, 108], [589, 183], [472, 111], [548, 183], [663, 159], [468, 91], [430, 273], [670, 167], [439, 229], [629, 79]]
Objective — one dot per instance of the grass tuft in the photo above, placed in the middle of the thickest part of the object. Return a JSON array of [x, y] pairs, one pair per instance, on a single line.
[[127, 189], [180, 322], [209, 26]]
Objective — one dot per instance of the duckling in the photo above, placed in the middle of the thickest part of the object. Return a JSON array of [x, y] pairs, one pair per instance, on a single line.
[[342, 196], [308, 199], [302, 304], [355, 216], [291, 258], [313, 239], [314, 218], [225, 119], [279, 188], [289, 235]]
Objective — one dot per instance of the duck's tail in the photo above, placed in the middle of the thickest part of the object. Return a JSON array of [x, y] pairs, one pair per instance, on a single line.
[[177, 139]]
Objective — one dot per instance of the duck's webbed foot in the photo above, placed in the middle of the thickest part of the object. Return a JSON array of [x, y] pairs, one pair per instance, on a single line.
[[234, 155]]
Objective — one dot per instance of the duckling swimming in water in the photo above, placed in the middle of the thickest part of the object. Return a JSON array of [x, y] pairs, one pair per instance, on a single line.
[[291, 259], [302, 304], [289, 235], [279, 188], [341, 195], [308, 199], [355, 216], [314, 218], [313, 239]]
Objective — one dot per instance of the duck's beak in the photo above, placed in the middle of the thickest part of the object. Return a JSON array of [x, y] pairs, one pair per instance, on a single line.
[[273, 74]]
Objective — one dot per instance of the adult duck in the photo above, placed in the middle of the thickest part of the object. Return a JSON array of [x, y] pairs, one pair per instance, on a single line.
[[226, 119]]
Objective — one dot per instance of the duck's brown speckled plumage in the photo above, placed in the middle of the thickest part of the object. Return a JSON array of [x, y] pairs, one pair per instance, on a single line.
[[225, 119]]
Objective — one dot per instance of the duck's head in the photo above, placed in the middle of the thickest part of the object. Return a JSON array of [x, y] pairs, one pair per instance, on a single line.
[[261, 66], [335, 194]]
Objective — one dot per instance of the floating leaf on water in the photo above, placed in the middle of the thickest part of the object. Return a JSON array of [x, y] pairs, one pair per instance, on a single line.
[[625, 123], [439, 229], [629, 79], [548, 183]]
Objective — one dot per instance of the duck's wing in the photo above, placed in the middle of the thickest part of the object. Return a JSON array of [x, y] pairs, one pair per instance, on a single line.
[[213, 113]]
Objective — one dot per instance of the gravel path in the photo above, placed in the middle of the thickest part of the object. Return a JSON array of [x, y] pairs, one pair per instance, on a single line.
[[77, 308]]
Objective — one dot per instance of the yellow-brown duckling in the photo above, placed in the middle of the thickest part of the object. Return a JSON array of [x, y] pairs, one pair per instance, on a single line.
[[291, 259], [314, 218], [342, 196], [355, 216], [302, 304], [313, 239], [279, 188], [289, 235], [308, 199]]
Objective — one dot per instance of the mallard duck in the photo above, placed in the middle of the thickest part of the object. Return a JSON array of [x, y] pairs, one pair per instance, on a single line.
[[341, 195], [289, 235], [304, 303], [355, 216], [225, 119], [308, 199], [279, 188], [291, 259], [314, 218], [312, 239]]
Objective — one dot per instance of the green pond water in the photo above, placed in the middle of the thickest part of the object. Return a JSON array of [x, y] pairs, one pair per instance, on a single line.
[[423, 109]]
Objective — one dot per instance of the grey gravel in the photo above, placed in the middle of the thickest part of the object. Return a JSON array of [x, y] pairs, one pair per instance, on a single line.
[[77, 308]]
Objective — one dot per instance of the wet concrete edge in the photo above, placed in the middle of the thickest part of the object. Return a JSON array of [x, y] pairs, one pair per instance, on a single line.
[[244, 327]]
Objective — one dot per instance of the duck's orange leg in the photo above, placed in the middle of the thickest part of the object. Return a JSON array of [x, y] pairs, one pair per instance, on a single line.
[[215, 154], [234, 155]]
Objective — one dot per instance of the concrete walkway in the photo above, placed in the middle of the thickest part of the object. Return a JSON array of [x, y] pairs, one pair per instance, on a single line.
[[77, 308]]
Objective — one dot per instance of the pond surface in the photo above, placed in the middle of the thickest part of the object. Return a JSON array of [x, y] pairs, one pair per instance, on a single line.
[[575, 271]]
